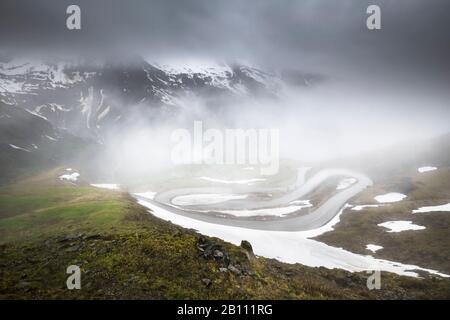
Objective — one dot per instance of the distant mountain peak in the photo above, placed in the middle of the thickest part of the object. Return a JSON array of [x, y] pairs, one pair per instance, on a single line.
[[89, 96]]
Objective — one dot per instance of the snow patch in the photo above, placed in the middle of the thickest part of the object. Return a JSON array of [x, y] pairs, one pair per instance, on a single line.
[[10, 86], [18, 148], [426, 169], [361, 207], [70, 177], [373, 247], [51, 138], [35, 114], [390, 197], [110, 186], [86, 105], [442, 208], [280, 211], [399, 226], [103, 113]]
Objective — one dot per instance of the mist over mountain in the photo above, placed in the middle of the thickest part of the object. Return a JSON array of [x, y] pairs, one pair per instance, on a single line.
[[204, 149], [116, 101], [88, 98], [123, 101], [312, 69]]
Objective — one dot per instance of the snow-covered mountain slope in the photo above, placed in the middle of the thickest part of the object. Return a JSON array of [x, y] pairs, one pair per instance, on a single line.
[[88, 98]]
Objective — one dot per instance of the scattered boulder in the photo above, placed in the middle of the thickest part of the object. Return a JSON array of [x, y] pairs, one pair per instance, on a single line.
[[234, 270], [246, 245], [218, 254], [209, 250], [248, 249], [207, 282]]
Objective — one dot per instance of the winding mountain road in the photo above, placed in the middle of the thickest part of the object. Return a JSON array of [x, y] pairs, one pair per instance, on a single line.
[[312, 220]]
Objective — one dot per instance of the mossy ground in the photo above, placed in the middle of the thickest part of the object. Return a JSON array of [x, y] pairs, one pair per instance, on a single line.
[[126, 253]]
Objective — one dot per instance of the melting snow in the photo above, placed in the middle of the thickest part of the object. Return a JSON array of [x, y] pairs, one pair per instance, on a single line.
[[426, 169], [390, 197], [373, 247], [10, 86], [86, 103], [361, 207], [194, 67], [103, 113], [50, 138], [111, 186], [444, 207], [70, 177], [280, 211], [399, 226], [36, 114], [18, 148]]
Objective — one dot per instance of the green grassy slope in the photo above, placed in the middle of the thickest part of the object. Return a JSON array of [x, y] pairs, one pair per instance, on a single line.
[[124, 252]]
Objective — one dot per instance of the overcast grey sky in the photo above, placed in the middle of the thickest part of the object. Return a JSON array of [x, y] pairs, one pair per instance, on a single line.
[[312, 35], [385, 85]]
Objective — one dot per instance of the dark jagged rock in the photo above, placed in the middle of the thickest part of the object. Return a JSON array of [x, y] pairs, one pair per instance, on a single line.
[[248, 249]]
